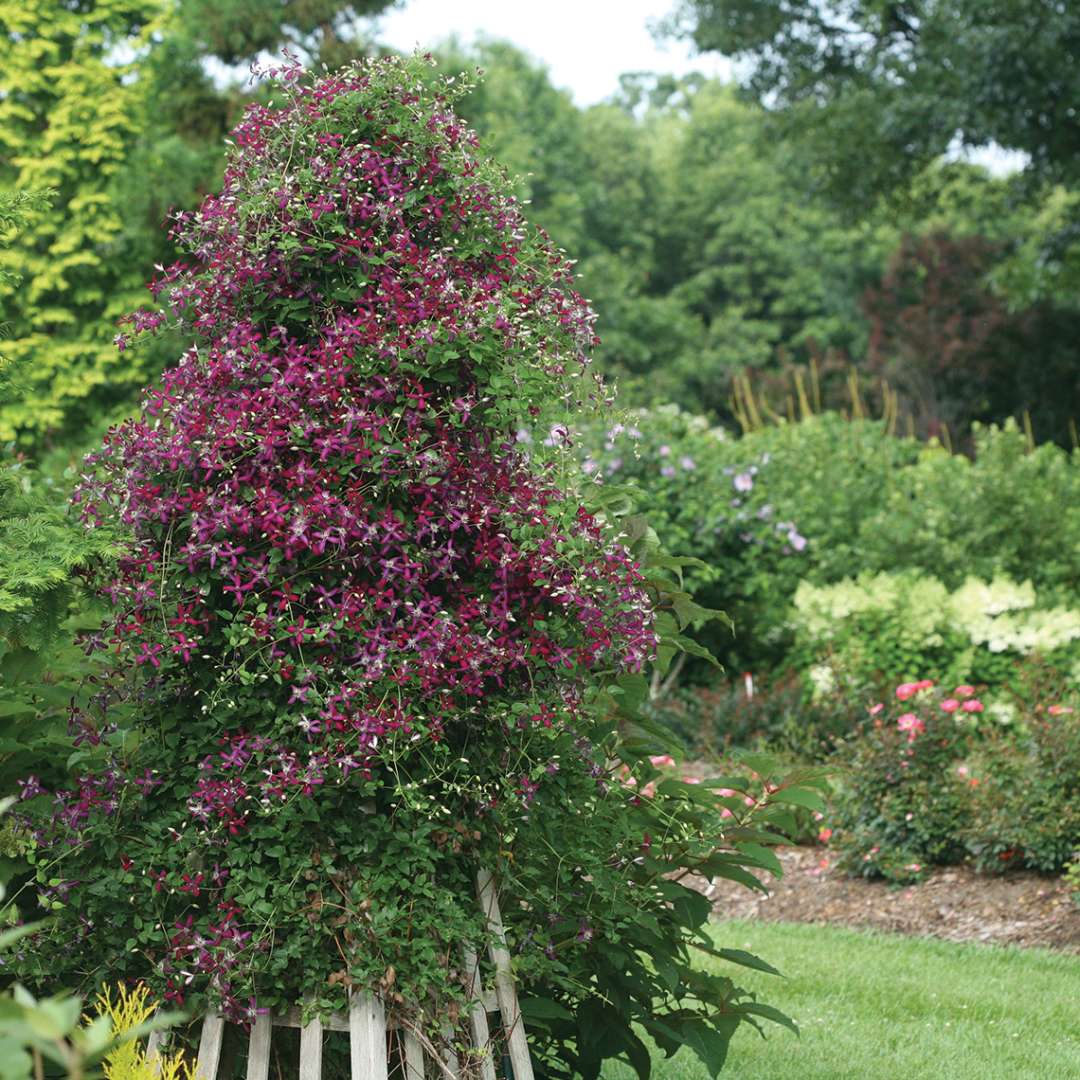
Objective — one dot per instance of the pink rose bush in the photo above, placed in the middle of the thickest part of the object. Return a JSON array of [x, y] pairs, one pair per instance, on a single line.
[[902, 806], [930, 786]]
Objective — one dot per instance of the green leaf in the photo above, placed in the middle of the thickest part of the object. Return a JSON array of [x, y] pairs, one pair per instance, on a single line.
[[720, 866], [800, 797], [538, 1008], [765, 858], [637, 1054], [745, 959], [710, 1041], [764, 765], [757, 1008]]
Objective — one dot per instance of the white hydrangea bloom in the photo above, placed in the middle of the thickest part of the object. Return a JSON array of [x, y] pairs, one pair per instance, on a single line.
[[822, 680]]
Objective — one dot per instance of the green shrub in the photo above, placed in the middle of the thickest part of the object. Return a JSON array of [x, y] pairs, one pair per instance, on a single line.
[[827, 498], [1011, 511], [1026, 803], [42, 549], [713, 720]]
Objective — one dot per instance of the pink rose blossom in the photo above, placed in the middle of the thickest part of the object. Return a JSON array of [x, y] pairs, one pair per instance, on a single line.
[[950, 705], [910, 723], [972, 705]]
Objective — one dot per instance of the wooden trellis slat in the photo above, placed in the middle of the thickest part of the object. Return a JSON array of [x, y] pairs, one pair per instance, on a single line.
[[367, 1037], [311, 1036], [259, 1049], [367, 1025], [478, 1020], [504, 980], [414, 1057], [213, 1034]]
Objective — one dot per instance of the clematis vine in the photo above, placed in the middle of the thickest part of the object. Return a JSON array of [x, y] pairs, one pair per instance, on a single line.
[[340, 557]]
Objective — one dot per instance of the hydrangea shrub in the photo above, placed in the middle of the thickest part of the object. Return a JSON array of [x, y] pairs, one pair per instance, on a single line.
[[362, 644], [883, 625]]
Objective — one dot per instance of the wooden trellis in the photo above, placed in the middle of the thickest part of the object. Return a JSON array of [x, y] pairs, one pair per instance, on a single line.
[[376, 1045]]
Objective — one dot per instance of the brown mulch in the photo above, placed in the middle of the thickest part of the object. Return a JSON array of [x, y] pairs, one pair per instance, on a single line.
[[953, 903]]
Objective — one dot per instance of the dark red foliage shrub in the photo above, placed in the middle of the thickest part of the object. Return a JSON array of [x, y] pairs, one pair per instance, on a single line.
[[956, 351]]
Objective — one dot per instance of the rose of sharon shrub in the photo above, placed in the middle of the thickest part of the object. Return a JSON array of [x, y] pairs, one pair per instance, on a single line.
[[708, 495], [363, 645], [827, 498]]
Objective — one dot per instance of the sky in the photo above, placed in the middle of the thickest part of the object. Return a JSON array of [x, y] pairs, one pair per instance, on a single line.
[[586, 43]]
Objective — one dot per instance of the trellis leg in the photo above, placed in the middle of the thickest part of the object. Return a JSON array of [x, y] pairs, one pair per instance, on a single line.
[[414, 1057], [517, 1045], [450, 1058], [478, 1021], [153, 1051], [213, 1031], [258, 1066], [311, 1050], [367, 1037]]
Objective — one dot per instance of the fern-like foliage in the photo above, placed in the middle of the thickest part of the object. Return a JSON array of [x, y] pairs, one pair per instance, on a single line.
[[41, 546]]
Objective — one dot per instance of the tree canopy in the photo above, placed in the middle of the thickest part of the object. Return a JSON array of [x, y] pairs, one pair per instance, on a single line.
[[884, 88]]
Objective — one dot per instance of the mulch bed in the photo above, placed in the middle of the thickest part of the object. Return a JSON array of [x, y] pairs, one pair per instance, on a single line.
[[953, 903]]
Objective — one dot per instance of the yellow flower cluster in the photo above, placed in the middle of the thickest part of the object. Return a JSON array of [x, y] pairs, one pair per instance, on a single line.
[[129, 1061]]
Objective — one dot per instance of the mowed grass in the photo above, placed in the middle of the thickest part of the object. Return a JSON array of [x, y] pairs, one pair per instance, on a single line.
[[884, 1007]]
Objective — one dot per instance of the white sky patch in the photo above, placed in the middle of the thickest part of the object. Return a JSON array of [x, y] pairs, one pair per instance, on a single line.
[[587, 44]]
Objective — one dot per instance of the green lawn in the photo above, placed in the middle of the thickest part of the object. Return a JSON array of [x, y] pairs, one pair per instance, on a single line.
[[878, 1007]]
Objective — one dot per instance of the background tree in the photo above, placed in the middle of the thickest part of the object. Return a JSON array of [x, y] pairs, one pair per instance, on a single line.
[[885, 88], [698, 239], [878, 94], [70, 112]]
